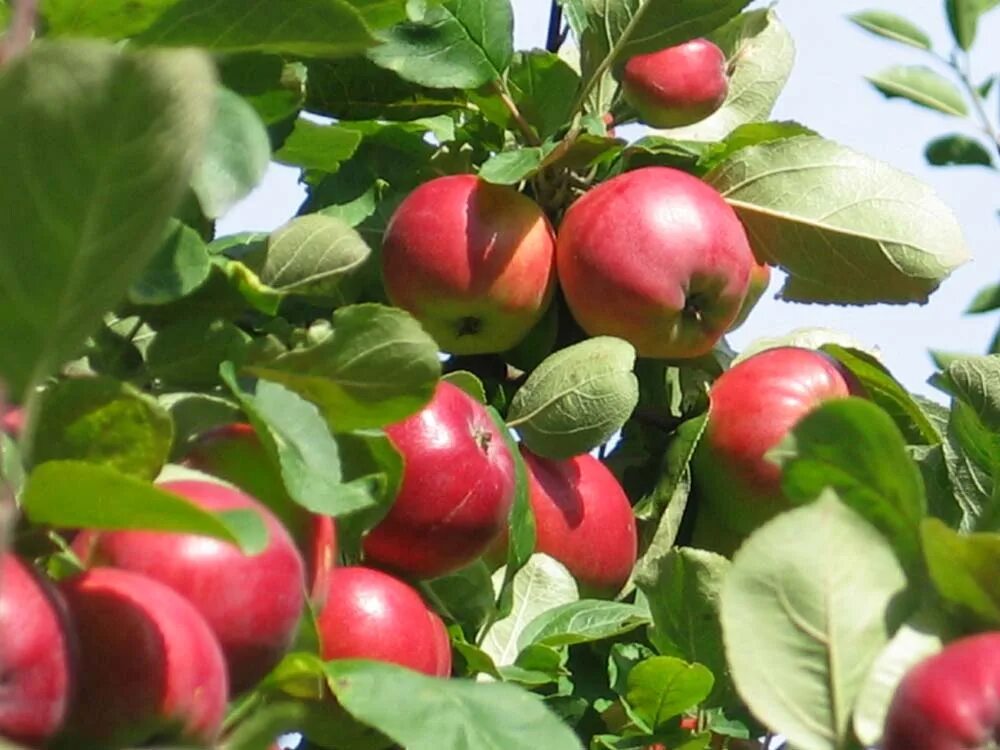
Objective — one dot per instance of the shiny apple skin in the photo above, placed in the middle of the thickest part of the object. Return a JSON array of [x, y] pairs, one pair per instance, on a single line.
[[472, 261], [656, 257], [678, 85], [457, 489], [372, 615], [584, 520], [38, 653], [150, 666], [253, 603]]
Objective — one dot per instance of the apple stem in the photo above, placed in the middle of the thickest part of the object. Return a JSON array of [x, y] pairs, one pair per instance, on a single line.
[[501, 90], [21, 30]]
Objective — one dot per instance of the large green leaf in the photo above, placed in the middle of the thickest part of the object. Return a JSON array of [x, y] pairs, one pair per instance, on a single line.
[[377, 366], [310, 28], [921, 85], [103, 421], [806, 609], [322, 147], [853, 446], [180, 266], [761, 52], [963, 570], [963, 18], [891, 26], [662, 687], [846, 228], [77, 230], [78, 495], [236, 155], [426, 713], [577, 398]]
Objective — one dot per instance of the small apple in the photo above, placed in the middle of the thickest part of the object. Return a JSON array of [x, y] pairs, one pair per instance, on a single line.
[[472, 261], [760, 277], [371, 615], [150, 666], [752, 407], [678, 85], [456, 493], [37, 655], [656, 257], [949, 701], [252, 603], [234, 453], [584, 520]]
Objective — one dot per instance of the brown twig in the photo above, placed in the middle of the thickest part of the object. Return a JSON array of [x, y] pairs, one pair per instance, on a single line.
[[501, 90], [21, 30]]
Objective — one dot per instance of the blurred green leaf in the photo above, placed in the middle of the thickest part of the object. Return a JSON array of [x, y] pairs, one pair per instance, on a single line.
[[891, 26], [957, 149], [920, 85], [963, 570], [188, 353], [180, 266]]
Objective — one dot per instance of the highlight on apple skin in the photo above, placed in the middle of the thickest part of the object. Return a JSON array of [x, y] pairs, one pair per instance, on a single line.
[[472, 261]]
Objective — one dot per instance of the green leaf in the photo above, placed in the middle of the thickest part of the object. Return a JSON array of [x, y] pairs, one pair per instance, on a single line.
[[957, 149], [179, 267], [583, 621], [914, 641], [308, 28], [576, 398], [510, 167], [663, 687], [188, 353], [682, 589], [427, 713], [275, 89], [853, 447], [887, 392], [309, 255], [806, 609], [465, 596], [963, 570], [321, 147], [258, 730], [112, 19], [846, 229], [920, 85], [236, 155], [750, 134], [296, 436], [760, 51], [358, 89], [987, 299], [891, 26], [376, 367], [106, 422], [77, 231], [963, 18], [74, 494], [457, 44], [195, 413], [469, 383], [542, 584]]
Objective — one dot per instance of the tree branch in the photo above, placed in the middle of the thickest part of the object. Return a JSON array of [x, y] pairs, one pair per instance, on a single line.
[[501, 90]]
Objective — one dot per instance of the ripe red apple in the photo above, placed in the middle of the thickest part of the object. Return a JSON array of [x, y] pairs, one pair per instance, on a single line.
[[472, 261], [457, 489], [253, 603], [371, 615], [760, 277], [949, 701], [656, 257], [37, 655], [753, 406], [584, 520], [234, 453], [678, 85], [150, 667]]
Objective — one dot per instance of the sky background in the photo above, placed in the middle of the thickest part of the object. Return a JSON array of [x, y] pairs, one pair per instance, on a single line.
[[828, 93]]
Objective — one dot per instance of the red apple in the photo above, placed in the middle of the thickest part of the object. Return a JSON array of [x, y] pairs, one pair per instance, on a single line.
[[753, 406], [457, 489], [656, 257], [678, 85], [150, 667], [949, 701], [371, 615], [472, 261], [583, 519], [760, 277], [253, 603], [234, 453], [37, 655]]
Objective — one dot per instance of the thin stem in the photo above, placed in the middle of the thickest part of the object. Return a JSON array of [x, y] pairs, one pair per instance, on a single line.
[[21, 30], [501, 90], [965, 76], [555, 37]]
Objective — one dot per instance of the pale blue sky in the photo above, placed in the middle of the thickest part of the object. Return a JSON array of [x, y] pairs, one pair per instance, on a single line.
[[827, 92]]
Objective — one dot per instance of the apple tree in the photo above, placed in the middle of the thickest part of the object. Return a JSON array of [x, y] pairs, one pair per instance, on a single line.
[[459, 456]]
